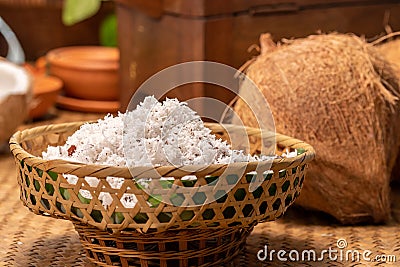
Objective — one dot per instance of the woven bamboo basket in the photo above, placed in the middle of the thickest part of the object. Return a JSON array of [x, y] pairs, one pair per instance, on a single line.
[[153, 233]]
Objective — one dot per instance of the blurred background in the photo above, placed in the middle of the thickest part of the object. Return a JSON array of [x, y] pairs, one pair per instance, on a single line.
[[153, 35]]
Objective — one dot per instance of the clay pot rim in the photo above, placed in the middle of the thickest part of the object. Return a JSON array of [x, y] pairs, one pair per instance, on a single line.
[[84, 57], [83, 105], [53, 84]]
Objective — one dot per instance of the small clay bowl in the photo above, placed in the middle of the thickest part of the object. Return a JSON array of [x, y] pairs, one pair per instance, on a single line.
[[45, 92], [41, 65], [88, 72]]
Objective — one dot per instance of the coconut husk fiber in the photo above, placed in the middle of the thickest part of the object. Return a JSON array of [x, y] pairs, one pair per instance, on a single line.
[[338, 93], [391, 51], [13, 112]]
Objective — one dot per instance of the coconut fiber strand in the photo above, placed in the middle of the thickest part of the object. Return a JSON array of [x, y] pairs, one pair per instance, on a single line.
[[339, 94], [391, 51]]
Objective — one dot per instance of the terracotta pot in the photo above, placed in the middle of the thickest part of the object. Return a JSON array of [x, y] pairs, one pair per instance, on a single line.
[[88, 72], [45, 92], [41, 65]]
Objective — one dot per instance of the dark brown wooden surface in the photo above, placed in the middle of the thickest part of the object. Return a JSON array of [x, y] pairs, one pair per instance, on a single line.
[[206, 8], [181, 33]]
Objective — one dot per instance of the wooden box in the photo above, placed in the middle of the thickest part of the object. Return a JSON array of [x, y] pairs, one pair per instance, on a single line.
[[159, 33]]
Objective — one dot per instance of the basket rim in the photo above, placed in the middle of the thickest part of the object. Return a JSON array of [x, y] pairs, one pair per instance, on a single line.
[[102, 171]]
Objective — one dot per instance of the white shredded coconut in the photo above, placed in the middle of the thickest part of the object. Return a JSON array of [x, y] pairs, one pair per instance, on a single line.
[[288, 154], [167, 133]]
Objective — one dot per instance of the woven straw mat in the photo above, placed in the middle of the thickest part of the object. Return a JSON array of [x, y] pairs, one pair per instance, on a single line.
[[31, 240]]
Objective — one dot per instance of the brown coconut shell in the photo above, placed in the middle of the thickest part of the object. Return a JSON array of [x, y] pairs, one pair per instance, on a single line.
[[339, 94], [391, 51], [13, 112], [13, 107]]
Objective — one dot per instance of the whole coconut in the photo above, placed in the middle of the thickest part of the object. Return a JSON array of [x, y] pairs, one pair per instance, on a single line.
[[336, 92], [391, 51], [15, 90]]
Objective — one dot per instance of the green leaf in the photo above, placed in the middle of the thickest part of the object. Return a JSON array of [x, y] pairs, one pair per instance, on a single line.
[[211, 179], [108, 31], [300, 151], [75, 11], [28, 183], [37, 185], [187, 215], [77, 212], [64, 193], [188, 183], [165, 184], [49, 189], [141, 218], [39, 172], [53, 175], [154, 200], [82, 199], [118, 217], [139, 186], [164, 217], [177, 199], [96, 215]]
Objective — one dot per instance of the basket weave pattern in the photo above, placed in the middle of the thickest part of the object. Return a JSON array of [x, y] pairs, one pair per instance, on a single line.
[[194, 247], [153, 233], [45, 190]]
